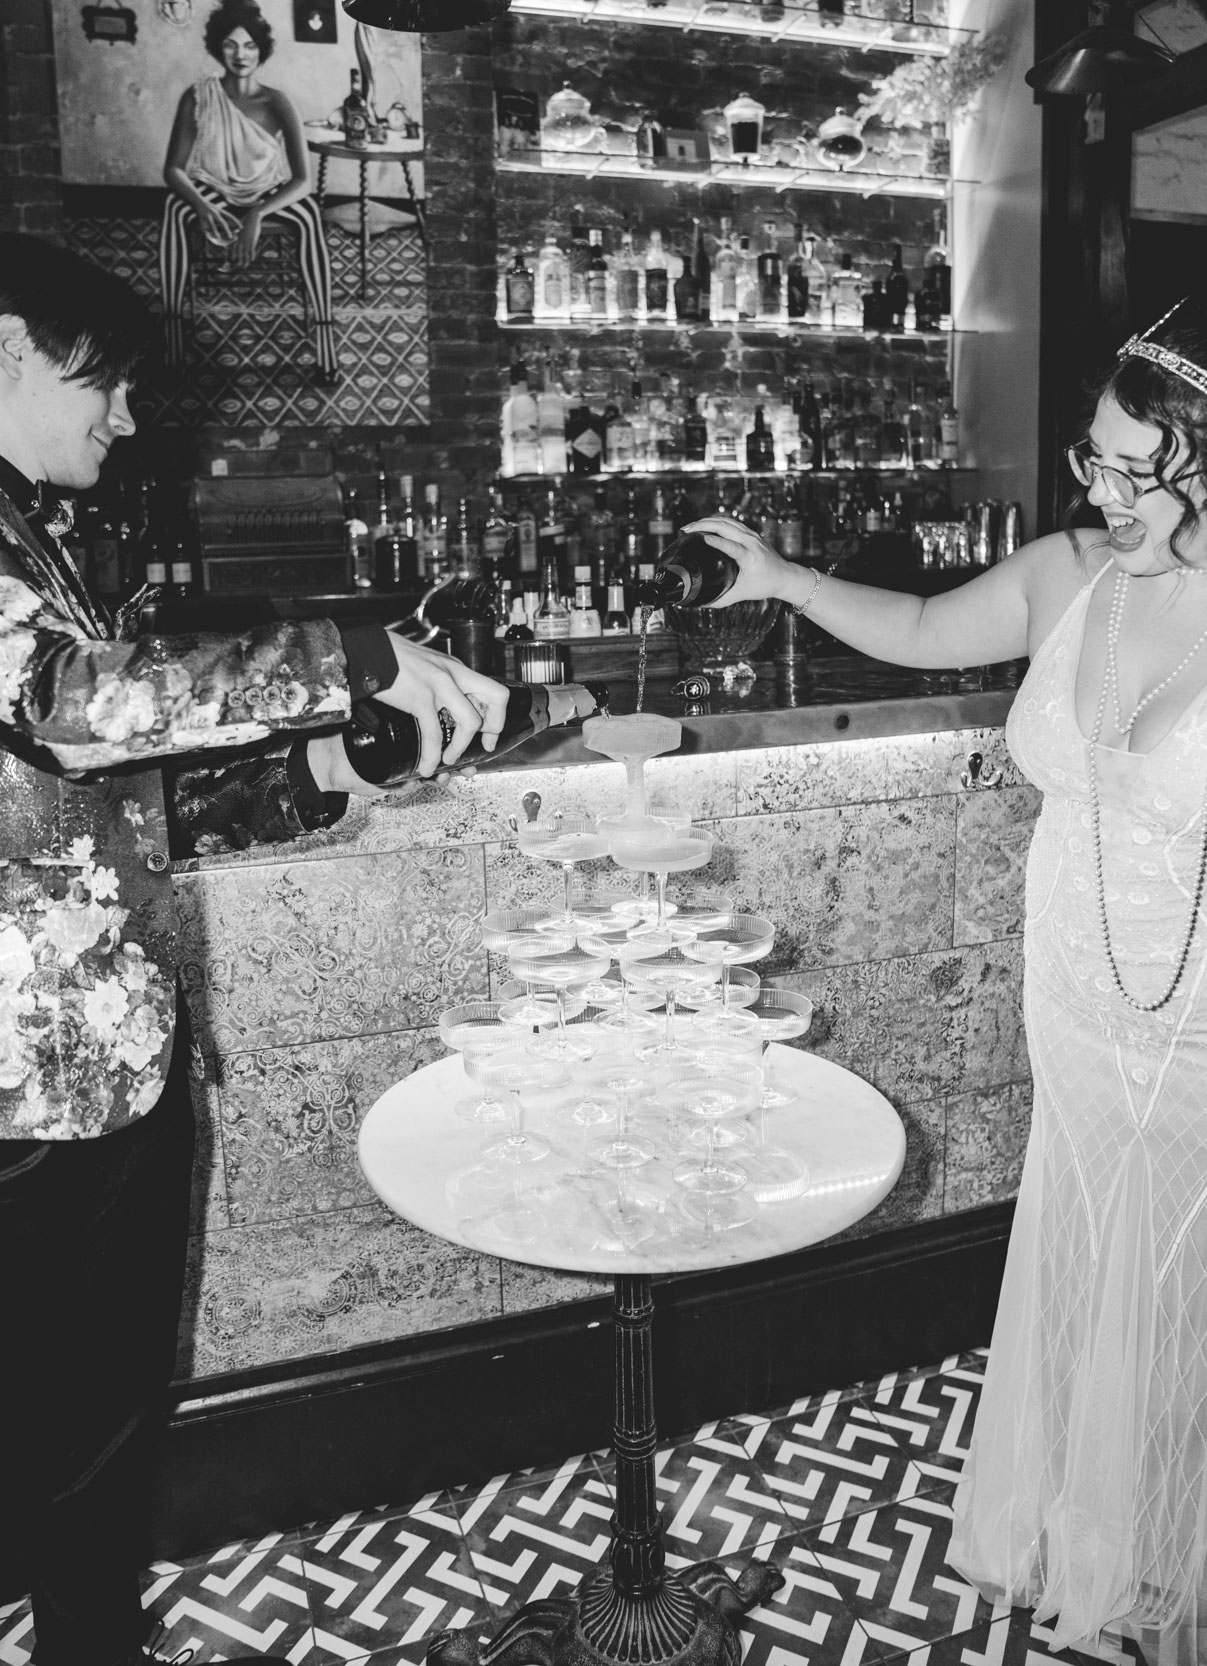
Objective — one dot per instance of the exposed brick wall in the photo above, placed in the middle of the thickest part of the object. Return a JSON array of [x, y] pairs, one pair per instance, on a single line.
[[30, 193]]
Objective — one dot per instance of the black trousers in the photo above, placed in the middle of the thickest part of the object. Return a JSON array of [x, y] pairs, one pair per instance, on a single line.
[[92, 1247]]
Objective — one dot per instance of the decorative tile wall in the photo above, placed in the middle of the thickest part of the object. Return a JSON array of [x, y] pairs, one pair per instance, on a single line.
[[314, 973]]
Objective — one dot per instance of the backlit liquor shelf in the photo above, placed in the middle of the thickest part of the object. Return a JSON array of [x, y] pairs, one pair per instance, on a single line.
[[744, 326], [706, 471], [859, 182], [889, 30]]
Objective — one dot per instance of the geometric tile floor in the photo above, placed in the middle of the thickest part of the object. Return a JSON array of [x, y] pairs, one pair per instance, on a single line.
[[849, 1490]]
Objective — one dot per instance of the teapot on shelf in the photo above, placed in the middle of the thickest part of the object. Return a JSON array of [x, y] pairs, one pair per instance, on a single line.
[[839, 143], [568, 124]]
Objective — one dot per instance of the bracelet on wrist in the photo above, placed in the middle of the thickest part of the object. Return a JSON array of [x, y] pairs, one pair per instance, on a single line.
[[801, 609]]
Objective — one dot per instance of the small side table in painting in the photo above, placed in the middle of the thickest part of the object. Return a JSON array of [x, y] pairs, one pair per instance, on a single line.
[[414, 1152], [367, 216]]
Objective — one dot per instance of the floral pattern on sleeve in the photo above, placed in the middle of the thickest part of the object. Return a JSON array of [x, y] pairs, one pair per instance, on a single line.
[[95, 704]]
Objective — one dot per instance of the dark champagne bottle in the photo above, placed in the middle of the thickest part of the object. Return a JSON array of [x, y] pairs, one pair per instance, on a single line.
[[692, 573], [383, 744]]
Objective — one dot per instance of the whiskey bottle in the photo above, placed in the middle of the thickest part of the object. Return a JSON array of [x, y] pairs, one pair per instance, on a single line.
[[355, 113], [519, 288], [383, 744]]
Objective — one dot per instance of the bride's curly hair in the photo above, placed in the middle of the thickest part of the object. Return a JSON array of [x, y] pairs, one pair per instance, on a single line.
[[1171, 404], [237, 14]]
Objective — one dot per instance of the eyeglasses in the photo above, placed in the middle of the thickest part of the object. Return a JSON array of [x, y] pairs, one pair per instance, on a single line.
[[1122, 486]]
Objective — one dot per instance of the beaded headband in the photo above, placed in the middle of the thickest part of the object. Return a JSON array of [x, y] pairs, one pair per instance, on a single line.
[[1139, 347]]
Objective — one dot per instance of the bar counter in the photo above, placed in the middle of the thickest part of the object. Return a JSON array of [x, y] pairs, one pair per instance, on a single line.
[[845, 810]]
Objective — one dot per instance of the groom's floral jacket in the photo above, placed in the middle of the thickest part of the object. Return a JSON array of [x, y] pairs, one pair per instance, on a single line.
[[99, 736]]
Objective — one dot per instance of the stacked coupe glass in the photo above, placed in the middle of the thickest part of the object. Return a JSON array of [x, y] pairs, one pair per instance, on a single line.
[[619, 1076]]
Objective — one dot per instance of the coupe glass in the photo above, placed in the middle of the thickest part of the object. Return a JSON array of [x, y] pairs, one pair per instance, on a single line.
[[659, 962], [479, 1027], [693, 1093], [622, 1003], [504, 926], [623, 1077], [741, 940], [744, 988], [566, 840], [688, 1130], [552, 957], [515, 1072], [656, 845], [777, 1175]]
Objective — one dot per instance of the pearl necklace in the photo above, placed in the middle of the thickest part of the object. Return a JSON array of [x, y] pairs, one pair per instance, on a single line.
[[1110, 680], [1122, 581]]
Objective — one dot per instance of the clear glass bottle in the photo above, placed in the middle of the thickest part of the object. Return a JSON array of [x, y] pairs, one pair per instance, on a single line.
[[551, 424], [847, 289], [819, 308], [580, 265], [647, 620], [616, 619], [627, 272], [695, 434], [796, 285], [434, 535], [521, 442], [748, 280], [724, 306], [867, 434], [552, 622], [464, 554], [894, 441], [498, 538], [584, 616], [643, 433], [552, 299], [896, 290]]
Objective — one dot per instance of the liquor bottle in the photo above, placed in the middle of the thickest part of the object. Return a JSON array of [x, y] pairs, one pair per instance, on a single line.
[[520, 419], [630, 537], [551, 424], [619, 441], [875, 308], [518, 628], [867, 435], [723, 437], [702, 271], [797, 284], [659, 528], [643, 434], [615, 620], [381, 533], [464, 556], [791, 526], [919, 431], [503, 609], [519, 288], [725, 277], [838, 439], [584, 615], [687, 294], [894, 441], [552, 623], [383, 744], [498, 539], [433, 536], [949, 429], [597, 276], [760, 447], [928, 302], [897, 291], [580, 263], [692, 573], [771, 275], [695, 433], [528, 562], [151, 548], [355, 112], [180, 567], [356, 541], [584, 440], [406, 525], [847, 288], [819, 309], [599, 539], [628, 279], [761, 513], [656, 281], [748, 280], [551, 531], [552, 280]]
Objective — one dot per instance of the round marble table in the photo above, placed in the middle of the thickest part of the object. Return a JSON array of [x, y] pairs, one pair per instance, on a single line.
[[425, 1164]]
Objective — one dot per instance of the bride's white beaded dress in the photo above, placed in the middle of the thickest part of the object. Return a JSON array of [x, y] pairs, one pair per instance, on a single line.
[[1085, 1494]]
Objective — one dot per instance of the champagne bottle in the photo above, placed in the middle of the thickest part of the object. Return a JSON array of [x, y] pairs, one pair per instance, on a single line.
[[692, 573], [383, 744]]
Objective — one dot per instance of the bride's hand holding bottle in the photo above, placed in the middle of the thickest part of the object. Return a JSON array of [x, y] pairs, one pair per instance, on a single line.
[[762, 574]]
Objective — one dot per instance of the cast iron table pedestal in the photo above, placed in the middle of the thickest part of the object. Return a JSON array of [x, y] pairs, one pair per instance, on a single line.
[[635, 1613]]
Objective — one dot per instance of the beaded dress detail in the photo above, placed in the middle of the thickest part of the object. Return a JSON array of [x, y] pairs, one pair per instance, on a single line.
[[1085, 1492]]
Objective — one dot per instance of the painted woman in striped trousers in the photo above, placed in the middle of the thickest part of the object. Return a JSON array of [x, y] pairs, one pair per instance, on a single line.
[[238, 154]]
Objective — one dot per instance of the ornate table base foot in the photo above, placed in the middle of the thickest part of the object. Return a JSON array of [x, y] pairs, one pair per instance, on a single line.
[[688, 1620]]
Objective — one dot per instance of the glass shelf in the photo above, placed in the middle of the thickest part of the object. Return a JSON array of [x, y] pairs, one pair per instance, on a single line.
[[780, 176], [798, 23], [885, 471], [743, 326]]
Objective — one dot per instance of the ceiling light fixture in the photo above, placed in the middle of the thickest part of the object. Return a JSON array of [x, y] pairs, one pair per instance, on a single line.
[[425, 17]]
